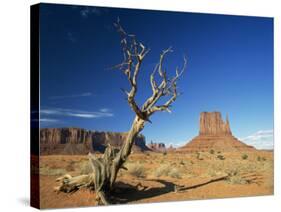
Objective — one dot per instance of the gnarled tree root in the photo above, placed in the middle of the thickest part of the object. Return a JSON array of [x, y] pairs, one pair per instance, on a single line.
[[70, 184]]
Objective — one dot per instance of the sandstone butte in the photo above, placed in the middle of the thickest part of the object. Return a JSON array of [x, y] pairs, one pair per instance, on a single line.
[[214, 133]]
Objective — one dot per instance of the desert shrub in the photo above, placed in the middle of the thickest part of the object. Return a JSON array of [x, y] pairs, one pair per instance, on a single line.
[[221, 157], [259, 158], [212, 151], [174, 173], [162, 170], [212, 172], [164, 153], [85, 167], [182, 163], [236, 179], [137, 170], [167, 170], [52, 172], [244, 156], [198, 156], [232, 171]]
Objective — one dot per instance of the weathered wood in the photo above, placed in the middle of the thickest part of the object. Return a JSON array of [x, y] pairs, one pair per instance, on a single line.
[[70, 184]]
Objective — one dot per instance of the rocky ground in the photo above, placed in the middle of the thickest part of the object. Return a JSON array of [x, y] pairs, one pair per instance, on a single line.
[[157, 177]]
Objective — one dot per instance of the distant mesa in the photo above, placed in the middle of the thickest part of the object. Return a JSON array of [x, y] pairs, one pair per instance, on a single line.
[[77, 141], [214, 133], [157, 147]]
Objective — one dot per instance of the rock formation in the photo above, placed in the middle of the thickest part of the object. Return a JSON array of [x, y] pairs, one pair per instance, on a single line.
[[212, 124], [214, 134], [157, 147], [81, 141]]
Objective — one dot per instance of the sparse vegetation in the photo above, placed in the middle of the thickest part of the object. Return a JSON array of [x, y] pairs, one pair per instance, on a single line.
[[259, 158], [85, 167], [236, 179], [198, 156], [52, 171], [244, 156], [221, 157], [174, 173], [137, 170], [180, 169], [212, 151], [167, 170]]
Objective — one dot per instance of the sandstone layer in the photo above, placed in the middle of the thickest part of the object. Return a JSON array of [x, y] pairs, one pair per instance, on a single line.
[[80, 141], [157, 147], [214, 133]]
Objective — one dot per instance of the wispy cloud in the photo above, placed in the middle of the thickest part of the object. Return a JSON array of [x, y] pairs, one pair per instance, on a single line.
[[71, 96], [262, 139], [46, 120], [105, 110], [49, 120], [87, 11], [75, 113], [71, 37]]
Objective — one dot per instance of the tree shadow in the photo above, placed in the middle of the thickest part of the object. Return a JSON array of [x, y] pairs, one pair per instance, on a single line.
[[127, 193], [184, 188]]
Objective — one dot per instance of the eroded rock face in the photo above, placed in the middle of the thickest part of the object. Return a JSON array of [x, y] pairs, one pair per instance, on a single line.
[[157, 147], [214, 133], [81, 141], [211, 123]]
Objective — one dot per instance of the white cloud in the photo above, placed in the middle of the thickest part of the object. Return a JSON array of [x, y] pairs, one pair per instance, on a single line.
[[49, 120], [46, 120], [105, 110], [90, 10], [75, 113], [71, 96], [262, 139]]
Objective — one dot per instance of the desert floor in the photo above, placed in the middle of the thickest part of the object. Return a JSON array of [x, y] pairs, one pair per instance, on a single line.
[[157, 177]]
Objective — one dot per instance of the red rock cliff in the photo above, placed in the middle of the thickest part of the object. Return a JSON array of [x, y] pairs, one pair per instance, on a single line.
[[81, 141], [211, 123]]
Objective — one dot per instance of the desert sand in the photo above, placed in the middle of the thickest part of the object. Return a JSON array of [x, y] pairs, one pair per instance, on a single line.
[[159, 177]]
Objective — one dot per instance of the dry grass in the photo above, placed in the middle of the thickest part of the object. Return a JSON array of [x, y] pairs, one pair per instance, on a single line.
[[136, 170], [85, 167], [253, 176], [167, 170], [52, 171]]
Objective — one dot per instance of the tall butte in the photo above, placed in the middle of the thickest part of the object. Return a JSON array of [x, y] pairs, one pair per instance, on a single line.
[[214, 133]]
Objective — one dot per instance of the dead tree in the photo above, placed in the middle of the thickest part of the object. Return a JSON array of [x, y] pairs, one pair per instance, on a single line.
[[105, 168]]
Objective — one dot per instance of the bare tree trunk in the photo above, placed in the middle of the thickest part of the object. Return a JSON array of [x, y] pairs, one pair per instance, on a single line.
[[106, 170]]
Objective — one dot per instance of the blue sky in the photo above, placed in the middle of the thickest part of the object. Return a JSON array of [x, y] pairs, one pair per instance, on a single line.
[[230, 69]]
